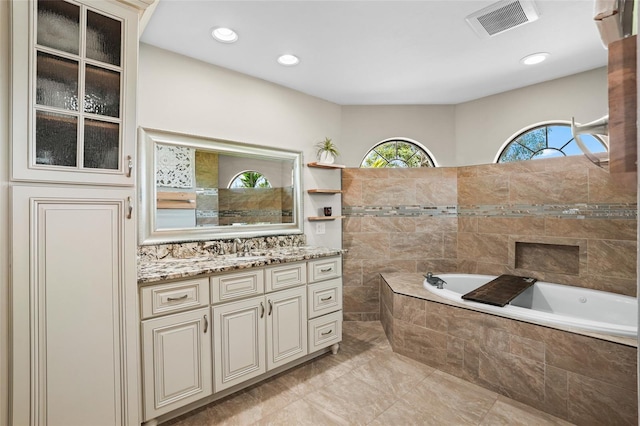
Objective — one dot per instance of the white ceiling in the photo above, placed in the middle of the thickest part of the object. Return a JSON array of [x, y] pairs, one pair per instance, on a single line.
[[381, 52]]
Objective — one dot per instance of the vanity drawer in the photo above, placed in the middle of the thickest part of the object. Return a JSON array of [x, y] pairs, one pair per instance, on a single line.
[[237, 285], [325, 269], [176, 296], [325, 331], [324, 297], [284, 276]]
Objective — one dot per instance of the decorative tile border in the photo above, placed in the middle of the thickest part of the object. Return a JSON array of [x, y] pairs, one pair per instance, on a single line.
[[569, 211], [400, 211]]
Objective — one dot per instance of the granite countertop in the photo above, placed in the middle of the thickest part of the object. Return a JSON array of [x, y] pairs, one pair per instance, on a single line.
[[150, 271]]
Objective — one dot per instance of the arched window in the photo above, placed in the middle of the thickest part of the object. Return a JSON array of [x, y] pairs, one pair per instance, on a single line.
[[546, 141], [249, 179], [398, 153]]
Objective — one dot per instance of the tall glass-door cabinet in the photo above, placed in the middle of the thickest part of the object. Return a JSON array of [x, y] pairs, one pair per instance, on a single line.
[[74, 335]]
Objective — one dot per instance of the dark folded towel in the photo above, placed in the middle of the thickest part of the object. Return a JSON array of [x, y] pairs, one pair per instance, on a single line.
[[501, 290]]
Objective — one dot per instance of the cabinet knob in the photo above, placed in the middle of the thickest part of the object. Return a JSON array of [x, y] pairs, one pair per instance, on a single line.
[[270, 307], [261, 310], [206, 324], [324, 299], [329, 269], [326, 333]]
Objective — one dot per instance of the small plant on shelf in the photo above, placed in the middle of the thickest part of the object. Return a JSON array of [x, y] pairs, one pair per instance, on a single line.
[[327, 151]]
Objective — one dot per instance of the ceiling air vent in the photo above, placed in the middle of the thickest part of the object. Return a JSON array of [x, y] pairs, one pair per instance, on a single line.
[[502, 16]]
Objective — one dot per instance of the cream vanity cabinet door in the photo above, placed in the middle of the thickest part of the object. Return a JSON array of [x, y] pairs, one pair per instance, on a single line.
[[286, 326], [73, 285], [177, 368], [238, 341], [74, 83]]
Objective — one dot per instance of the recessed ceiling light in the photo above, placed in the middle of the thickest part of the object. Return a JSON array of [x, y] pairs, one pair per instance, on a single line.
[[288, 60], [224, 35], [535, 58]]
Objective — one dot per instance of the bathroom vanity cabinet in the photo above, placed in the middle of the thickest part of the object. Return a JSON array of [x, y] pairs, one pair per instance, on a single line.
[[203, 338], [176, 335]]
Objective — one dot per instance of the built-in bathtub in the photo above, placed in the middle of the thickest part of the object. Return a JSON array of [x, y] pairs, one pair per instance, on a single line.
[[552, 304], [565, 369]]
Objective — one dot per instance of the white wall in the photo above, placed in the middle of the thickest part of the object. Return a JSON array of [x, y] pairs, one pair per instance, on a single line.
[[483, 125], [184, 95], [473, 132], [431, 125], [4, 211]]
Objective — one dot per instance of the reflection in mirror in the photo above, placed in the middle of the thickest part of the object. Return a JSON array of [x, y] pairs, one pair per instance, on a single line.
[[201, 189]]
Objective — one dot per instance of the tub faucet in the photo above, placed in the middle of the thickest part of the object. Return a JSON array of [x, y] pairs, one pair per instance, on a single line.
[[435, 281]]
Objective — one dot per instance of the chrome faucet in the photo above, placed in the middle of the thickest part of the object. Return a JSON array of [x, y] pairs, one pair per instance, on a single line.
[[237, 243], [435, 281]]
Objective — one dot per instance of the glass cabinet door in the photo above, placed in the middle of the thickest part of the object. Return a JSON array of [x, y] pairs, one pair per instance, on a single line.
[[78, 87], [79, 124]]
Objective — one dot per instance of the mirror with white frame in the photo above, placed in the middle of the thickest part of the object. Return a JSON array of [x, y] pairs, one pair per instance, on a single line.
[[194, 188]]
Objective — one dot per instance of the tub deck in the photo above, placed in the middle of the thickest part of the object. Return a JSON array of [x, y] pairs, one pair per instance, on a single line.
[[582, 377], [410, 284]]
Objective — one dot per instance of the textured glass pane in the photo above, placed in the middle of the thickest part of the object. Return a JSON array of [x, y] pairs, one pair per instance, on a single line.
[[56, 139], [101, 142], [572, 148], [535, 140], [102, 91], [593, 144], [373, 160], [405, 149], [547, 153], [558, 136], [58, 25], [103, 38], [397, 163], [57, 82], [422, 160], [515, 152]]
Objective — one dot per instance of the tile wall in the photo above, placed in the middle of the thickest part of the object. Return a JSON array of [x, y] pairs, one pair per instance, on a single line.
[[563, 220], [255, 205]]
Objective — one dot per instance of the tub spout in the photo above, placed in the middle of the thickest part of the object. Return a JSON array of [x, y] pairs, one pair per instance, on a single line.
[[435, 281]]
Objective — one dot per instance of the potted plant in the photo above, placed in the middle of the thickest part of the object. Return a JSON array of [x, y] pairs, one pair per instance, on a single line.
[[327, 151]]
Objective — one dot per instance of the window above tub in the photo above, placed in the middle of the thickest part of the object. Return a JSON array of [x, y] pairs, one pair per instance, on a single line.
[[398, 153], [553, 139]]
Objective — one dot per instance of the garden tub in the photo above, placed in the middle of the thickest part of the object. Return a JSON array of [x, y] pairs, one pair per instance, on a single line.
[[552, 304]]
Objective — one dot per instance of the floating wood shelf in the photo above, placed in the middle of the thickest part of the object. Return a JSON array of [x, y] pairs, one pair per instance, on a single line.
[[324, 191], [319, 218], [325, 166]]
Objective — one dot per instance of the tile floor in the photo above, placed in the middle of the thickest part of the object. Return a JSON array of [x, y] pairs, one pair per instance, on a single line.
[[365, 384]]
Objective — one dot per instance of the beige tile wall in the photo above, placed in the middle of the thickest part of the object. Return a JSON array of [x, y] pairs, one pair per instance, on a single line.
[[400, 221], [254, 205], [378, 240]]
